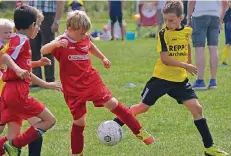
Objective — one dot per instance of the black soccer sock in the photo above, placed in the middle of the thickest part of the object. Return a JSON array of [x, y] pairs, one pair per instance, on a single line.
[[118, 121], [35, 147], [204, 131]]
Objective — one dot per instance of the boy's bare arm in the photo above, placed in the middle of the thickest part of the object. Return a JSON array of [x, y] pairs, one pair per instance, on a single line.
[[189, 55], [42, 62], [8, 61], [38, 81], [44, 84], [49, 47], [171, 62], [96, 52], [167, 60]]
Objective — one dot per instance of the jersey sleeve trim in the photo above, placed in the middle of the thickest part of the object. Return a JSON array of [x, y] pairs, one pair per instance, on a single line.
[[18, 48], [162, 41]]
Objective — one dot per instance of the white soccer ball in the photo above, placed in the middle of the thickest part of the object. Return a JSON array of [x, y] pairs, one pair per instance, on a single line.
[[110, 133]]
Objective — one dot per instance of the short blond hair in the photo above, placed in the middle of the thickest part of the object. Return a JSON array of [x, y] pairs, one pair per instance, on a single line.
[[78, 20], [7, 23], [39, 14]]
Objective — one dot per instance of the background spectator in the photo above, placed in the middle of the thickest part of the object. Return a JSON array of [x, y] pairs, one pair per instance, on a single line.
[[116, 14], [185, 3], [206, 20], [227, 25], [52, 11], [160, 5], [75, 5]]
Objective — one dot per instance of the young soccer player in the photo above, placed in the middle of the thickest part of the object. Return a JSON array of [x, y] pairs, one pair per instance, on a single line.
[[6, 28], [227, 25], [82, 83], [16, 104], [170, 74]]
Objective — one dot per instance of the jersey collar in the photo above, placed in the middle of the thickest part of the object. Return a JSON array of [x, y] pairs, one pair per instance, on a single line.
[[72, 41], [178, 29], [22, 35]]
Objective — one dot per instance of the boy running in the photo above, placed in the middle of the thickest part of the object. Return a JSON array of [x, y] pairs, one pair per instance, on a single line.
[[82, 83], [16, 104], [170, 74], [6, 29]]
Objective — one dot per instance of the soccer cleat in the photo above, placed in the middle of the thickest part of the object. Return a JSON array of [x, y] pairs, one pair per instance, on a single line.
[[214, 151], [223, 64], [199, 84], [212, 84], [145, 137], [11, 150]]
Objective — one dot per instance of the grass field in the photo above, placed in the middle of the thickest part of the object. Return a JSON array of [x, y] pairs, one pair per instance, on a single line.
[[170, 123]]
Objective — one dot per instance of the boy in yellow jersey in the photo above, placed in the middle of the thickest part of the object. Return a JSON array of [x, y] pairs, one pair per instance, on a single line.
[[170, 74]]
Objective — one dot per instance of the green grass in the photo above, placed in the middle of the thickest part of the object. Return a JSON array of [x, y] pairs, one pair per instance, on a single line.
[[170, 123]]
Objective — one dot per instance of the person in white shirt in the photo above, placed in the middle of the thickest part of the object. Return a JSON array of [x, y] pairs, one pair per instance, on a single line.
[[207, 17]]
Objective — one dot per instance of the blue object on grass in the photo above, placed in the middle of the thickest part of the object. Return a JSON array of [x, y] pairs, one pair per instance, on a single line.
[[130, 35]]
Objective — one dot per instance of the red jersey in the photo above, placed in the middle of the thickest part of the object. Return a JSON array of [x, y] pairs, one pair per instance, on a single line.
[[19, 50], [76, 72]]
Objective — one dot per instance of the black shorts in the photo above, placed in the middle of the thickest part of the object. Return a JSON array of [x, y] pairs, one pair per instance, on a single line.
[[155, 88], [115, 18]]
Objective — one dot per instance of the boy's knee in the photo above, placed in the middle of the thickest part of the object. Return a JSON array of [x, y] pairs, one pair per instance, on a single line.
[[111, 104], [81, 121], [140, 108], [197, 113]]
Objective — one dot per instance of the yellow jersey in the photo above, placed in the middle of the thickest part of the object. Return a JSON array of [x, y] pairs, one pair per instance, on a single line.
[[2, 83], [175, 43]]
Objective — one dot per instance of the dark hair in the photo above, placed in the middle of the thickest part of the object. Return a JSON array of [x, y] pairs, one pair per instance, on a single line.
[[24, 17], [173, 6]]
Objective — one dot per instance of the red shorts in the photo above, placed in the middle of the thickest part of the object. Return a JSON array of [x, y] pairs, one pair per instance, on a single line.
[[17, 105], [77, 104]]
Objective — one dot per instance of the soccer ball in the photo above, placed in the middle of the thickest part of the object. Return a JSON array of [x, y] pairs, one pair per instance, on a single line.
[[110, 133]]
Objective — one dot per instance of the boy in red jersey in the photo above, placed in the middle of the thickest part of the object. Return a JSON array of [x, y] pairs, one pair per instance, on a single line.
[[82, 83], [6, 29], [16, 104]]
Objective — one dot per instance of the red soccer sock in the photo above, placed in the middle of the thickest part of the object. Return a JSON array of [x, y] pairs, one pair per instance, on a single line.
[[25, 138], [126, 116], [2, 141], [77, 139]]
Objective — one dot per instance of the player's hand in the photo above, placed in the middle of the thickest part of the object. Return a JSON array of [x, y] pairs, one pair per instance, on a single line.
[[22, 73], [55, 27], [106, 63], [62, 43], [191, 69], [55, 86], [45, 61]]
